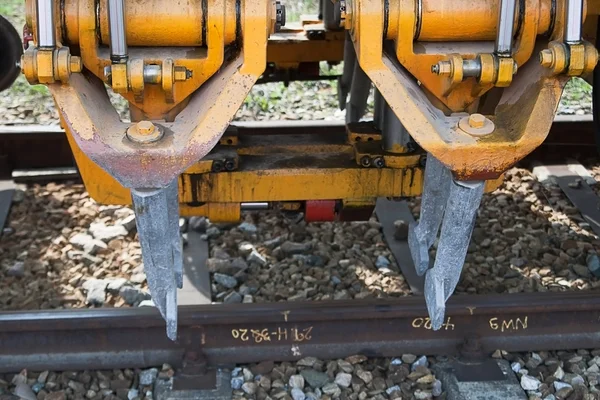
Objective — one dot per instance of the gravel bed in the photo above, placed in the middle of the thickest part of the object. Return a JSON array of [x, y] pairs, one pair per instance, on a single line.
[[544, 375], [528, 238], [60, 249], [557, 374], [356, 377], [125, 384]]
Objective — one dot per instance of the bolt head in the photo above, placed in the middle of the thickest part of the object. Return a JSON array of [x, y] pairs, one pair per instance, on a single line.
[[145, 127], [476, 121], [144, 132], [546, 58], [217, 166], [365, 161], [75, 64], [443, 68]]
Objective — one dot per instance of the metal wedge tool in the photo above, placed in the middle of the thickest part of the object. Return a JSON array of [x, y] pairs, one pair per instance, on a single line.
[[459, 220], [156, 215], [422, 235]]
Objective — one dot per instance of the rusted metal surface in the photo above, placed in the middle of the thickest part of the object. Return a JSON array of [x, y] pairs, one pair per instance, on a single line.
[[37, 146], [227, 334]]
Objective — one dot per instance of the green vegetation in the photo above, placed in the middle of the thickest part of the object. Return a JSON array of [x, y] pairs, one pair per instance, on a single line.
[[14, 11], [296, 8], [577, 89]]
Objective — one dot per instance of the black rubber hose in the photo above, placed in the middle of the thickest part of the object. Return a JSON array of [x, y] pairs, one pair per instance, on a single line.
[[596, 92], [11, 49]]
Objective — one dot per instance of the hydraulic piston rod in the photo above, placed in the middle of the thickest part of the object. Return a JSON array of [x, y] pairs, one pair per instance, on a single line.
[[504, 36], [116, 20], [573, 21], [45, 24]]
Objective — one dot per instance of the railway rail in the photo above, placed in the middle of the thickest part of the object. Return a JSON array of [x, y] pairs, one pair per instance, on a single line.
[[222, 335]]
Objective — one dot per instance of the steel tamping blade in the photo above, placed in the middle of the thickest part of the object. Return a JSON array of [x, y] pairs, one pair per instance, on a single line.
[[161, 247]]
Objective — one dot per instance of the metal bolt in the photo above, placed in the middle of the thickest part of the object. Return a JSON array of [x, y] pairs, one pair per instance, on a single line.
[[181, 74], [379, 162], [144, 132], [476, 121], [365, 161], [217, 166], [229, 165], [75, 64], [515, 68], [443, 68], [145, 127], [476, 125], [546, 58], [280, 16]]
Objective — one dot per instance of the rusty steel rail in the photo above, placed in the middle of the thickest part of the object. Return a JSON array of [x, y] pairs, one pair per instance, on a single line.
[[36, 146], [228, 334]]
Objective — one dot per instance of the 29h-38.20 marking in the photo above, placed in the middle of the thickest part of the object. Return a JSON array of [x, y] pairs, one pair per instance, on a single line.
[[279, 334]]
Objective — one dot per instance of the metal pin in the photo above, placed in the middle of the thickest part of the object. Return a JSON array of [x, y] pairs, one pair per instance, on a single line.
[[157, 220]]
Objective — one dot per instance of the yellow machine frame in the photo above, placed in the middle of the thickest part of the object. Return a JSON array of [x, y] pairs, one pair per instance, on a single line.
[[211, 56]]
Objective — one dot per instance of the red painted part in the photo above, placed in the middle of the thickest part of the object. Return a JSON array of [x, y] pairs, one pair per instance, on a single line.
[[27, 37], [319, 210]]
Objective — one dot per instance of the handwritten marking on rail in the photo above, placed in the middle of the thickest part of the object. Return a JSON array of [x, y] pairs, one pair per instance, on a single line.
[[281, 334], [241, 334], [513, 324], [425, 323], [296, 351], [203, 340], [285, 315], [260, 335], [471, 309]]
